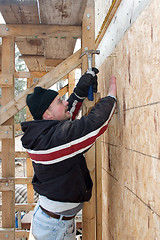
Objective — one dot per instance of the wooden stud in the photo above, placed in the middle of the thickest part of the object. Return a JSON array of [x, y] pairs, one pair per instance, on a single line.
[[22, 234], [23, 180], [88, 43], [63, 90], [19, 154], [7, 233], [8, 145], [6, 184], [29, 74], [6, 132], [71, 82], [23, 207], [33, 75], [30, 191], [6, 80], [98, 184], [17, 127]]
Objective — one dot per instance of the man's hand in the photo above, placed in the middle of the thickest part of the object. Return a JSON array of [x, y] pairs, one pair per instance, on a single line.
[[87, 79], [112, 87]]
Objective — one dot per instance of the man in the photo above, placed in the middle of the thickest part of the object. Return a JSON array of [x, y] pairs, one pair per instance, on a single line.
[[56, 143]]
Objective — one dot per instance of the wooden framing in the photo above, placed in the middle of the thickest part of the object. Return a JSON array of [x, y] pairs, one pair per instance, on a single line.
[[8, 146], [71, 82], [64, 69], [46, 81], [39, 31], [6, 132], [30, 191], [7, 233], [92, 210], [23, 207], [6, 80], [29, 74], [98, 182]]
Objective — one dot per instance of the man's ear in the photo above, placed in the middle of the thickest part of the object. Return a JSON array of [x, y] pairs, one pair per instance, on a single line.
[[46, 115]]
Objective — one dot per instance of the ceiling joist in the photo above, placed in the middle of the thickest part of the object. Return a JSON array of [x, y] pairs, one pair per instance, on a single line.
[[39, 31]]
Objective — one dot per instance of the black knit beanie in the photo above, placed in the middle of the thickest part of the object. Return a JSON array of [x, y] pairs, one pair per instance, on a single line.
[[39, 101]]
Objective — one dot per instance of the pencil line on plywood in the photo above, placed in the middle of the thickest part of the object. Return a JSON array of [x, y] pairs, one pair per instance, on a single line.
[[110, 174], [133, 193], [133, 150], [144, 154], [142, 201], [113, 145], [145, 105]]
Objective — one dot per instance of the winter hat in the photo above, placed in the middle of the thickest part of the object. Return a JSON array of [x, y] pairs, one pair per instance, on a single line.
[[39, 101]]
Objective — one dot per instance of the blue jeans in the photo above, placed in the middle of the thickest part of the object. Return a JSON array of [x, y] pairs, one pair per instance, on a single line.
[[48, 228]]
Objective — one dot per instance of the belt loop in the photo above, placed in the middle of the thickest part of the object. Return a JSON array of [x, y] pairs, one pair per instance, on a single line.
[[61, 216]]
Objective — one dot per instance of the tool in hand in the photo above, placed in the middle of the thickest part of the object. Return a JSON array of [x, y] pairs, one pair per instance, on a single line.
[[89, 54]]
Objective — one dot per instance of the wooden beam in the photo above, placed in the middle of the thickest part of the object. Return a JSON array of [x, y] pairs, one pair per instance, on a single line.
[[18, 154], [23, 207], [8, 145], [39, 31], [7, 233], [6, 184], [6, 132], [46, 81], [98, 182], [53, 62], [29, 74], [21, 154], [88, 42], [50, 62], [17, 127], [34, 74], [23, 180], [22, 234], [71, 82], [29, 167], [6, 80], [63, 90]]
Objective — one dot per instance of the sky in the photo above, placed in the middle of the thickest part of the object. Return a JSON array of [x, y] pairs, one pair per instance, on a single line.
[[1, 19]]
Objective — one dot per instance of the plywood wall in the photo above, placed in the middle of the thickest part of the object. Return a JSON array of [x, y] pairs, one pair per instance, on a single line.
[[131, 146]]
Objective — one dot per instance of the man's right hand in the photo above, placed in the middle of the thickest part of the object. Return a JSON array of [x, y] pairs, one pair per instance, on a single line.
[[88, 79], [112, 87]]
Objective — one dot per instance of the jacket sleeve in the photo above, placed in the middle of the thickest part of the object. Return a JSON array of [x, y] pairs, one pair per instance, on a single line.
[[71, 138], [75, 103]]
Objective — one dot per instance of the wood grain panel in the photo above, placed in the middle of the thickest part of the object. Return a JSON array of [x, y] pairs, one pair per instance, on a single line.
[[131, 159]]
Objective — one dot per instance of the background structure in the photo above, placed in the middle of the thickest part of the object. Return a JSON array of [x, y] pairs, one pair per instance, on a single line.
[[124, 163]]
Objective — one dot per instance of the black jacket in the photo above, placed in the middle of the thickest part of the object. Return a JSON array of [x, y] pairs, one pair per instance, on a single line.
[[57, 151]]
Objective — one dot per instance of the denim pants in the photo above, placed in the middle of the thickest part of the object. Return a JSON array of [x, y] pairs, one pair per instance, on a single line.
[[48, 228]]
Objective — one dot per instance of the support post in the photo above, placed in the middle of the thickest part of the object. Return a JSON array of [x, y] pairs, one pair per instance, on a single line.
[[71, 82], [98, 184], [30, 191], [88, 43], [8, 145]]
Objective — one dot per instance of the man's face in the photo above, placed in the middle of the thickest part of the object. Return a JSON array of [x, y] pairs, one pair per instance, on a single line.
[[57, 110]]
